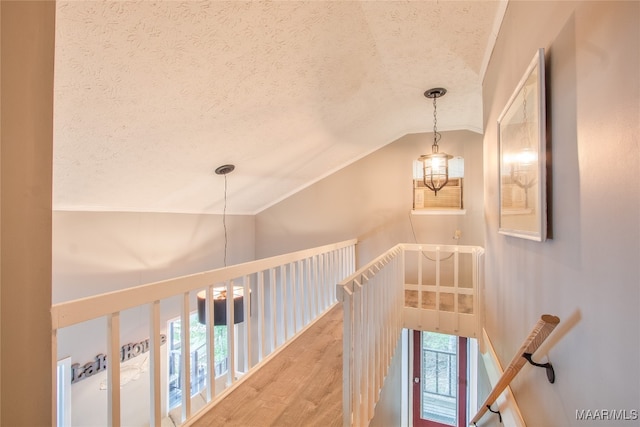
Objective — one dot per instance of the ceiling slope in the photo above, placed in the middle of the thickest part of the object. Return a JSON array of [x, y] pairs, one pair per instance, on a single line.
[[150, 97]]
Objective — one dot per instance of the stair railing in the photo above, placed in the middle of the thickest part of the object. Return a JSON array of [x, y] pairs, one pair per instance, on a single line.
[[372, 304], [300, 288], [538, 334], [392, 292]]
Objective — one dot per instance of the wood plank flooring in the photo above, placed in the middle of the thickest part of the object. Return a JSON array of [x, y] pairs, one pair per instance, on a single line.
[[302, 386]]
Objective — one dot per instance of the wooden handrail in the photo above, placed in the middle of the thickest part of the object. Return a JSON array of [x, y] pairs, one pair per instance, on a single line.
[[539, 333]]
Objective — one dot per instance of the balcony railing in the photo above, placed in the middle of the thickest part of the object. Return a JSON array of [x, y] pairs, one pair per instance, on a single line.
[[287, 294], [421, 287], [441, 288]]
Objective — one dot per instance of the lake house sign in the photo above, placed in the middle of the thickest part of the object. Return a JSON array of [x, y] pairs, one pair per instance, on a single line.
[[128, 351]]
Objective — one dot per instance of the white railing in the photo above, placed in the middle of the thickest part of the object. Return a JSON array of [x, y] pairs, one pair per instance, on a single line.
[[421, 287], [372, 303], [442, 284], [288, 293]]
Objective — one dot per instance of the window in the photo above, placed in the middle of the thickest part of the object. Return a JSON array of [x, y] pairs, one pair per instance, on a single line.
[[198, 347], [449, 197]]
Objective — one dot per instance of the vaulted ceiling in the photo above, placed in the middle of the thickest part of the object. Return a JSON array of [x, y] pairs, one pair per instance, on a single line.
[[151, 97]]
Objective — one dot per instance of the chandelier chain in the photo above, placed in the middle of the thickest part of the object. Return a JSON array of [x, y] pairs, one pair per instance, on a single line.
[[436, 134], [435, 116]]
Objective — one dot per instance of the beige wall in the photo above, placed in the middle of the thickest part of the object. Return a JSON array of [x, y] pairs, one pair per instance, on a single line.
[[97, 252], [588, 274], [27, 33], [371, 199]]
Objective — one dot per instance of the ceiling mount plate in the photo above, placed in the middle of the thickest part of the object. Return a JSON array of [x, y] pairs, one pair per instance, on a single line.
[[436, 92], [225, 169]]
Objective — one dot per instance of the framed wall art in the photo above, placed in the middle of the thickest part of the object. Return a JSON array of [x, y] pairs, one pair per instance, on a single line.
[[522, 157]]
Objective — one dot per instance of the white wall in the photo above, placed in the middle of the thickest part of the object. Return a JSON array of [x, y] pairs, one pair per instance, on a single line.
[[588, 274], [97, 252], [389, 408]]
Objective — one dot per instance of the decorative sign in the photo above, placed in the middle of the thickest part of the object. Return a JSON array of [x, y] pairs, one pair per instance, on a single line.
[[127, 352]]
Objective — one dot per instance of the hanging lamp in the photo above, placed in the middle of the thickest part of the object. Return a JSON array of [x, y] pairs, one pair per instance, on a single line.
[[220, 295], [435, 165]]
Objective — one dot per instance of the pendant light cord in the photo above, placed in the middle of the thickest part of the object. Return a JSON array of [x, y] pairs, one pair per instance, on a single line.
[[424, 253], [224, 170], [224, 220]]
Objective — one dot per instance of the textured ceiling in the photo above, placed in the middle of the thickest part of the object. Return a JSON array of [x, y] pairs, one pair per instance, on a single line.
[[150, 97]]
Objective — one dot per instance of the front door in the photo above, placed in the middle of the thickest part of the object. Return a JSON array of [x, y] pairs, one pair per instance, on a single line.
[[439, 380]]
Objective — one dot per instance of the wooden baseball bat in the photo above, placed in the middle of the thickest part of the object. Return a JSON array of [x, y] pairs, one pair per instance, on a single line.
[[539, 333]]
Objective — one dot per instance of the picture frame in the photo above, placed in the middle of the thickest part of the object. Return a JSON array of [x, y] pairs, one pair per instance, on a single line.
[[522, 157]]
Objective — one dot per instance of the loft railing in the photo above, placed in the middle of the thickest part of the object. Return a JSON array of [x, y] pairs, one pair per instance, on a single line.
[[372, 304], [422, 287], [442, 284], [287, 294]]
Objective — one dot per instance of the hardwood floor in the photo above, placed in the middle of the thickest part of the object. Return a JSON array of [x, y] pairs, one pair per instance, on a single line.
[[302, 386]]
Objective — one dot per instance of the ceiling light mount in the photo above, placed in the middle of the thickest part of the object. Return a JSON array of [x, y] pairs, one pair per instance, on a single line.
[[436, 92], [225, 169]]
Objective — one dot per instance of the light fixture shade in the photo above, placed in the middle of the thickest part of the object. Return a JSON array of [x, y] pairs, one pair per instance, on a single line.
[[220, 306], [435, 168], [456, 167], [418, 172]]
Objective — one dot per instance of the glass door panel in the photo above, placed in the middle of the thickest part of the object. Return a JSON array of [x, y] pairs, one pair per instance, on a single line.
[[439, 385]]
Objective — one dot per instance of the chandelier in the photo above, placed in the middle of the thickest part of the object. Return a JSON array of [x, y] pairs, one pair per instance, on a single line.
[[436, 164]]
